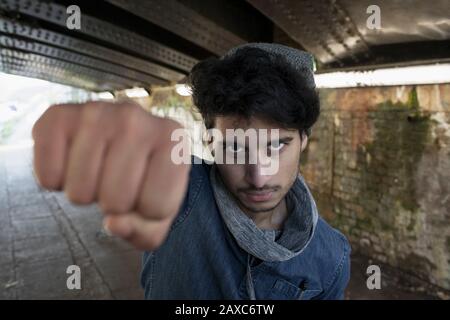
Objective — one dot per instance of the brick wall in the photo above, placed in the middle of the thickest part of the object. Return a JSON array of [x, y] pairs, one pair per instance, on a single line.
[[378, 163]]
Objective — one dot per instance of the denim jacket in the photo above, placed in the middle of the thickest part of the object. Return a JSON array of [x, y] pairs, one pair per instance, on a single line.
[[200, 259]]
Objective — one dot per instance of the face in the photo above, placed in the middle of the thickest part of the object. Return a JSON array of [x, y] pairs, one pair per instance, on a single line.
[[254, 190]]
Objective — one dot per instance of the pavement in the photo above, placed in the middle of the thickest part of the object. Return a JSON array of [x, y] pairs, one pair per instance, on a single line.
[[41, 234]]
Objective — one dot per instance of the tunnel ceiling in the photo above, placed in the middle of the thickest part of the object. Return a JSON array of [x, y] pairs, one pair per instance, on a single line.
[[145, 43], [336, 32]]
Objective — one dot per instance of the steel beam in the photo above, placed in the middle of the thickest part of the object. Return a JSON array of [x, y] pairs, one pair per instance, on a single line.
[[321, 27], [18, 62], [69, 56], [177, 18], [110, 34]]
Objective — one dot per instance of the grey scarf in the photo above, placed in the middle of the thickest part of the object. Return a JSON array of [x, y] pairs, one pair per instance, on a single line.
[[263, 244]]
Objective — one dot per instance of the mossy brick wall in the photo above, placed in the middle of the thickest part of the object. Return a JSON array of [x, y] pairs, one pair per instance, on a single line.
[[378, 163]]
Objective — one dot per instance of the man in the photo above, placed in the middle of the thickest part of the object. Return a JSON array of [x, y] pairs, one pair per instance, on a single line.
[[221, 231]]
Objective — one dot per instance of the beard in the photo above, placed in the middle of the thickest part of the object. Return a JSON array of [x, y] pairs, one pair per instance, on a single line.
[[268, 207], [255, 209]]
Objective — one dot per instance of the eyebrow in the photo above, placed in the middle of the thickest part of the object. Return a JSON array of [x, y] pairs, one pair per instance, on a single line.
[[280, 140]]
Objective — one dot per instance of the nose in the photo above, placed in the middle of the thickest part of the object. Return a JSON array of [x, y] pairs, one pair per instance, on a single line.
[[255, 177]]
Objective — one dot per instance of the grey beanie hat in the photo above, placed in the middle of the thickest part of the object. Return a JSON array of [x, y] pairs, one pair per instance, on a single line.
[[301, 61]]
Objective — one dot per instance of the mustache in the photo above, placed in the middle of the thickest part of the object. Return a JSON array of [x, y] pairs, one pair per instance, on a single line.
[[259, 190]]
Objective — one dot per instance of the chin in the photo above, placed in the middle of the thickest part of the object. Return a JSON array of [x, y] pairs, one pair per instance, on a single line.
[[260, 207]]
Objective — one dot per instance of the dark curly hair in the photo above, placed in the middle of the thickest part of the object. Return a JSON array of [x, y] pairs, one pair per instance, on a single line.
[[253, 82]]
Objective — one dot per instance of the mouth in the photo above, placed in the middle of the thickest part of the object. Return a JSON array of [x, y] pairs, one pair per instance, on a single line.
[[258, 196]]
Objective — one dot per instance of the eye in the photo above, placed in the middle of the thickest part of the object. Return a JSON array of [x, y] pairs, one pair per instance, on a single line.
[[235, 148], [276, 146]]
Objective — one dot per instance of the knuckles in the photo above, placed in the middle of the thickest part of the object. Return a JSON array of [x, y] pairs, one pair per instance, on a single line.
[[112, 205], [155, 243], [125, 120], [46, 120], [78, 197], [92, 114], [50, 181], [154, 238]]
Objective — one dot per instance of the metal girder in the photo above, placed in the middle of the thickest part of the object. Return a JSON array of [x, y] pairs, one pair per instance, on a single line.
[[336, 31], [29, 64], [321, 27], [69, 56], [402, 21], [52, 75], [56, 39], [109, 33], [177, 18]]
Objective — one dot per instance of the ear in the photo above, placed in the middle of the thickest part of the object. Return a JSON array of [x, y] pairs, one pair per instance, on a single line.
[[304, 141], [210, 136], [209, 143]]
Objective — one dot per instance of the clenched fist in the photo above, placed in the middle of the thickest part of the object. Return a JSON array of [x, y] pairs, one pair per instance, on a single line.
[[117, 155]]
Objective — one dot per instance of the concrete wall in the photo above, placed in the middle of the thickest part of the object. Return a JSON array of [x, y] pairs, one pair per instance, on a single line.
[[378, 163]]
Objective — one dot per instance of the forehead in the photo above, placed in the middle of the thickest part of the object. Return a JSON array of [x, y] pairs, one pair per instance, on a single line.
[[235, 122]]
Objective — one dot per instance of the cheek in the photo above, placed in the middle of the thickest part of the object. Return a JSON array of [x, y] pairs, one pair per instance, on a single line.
[[231, 174], [290, 159], [289, 165]]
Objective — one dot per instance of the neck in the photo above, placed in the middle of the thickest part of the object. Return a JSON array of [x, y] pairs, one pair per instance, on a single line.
[[269, 220]]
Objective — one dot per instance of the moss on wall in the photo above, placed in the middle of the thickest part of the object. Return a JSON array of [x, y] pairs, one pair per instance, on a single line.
[[383, 145], [394, 153]]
